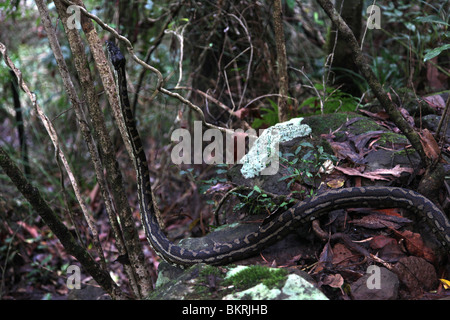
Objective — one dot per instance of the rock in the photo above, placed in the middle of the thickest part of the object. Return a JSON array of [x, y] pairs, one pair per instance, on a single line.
[[368, 287], [416, 274], [90, 291], [257, 282], [295, 288]]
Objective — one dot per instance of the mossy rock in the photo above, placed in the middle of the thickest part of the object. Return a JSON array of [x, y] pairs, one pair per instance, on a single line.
[[204, 282], [323, 124]]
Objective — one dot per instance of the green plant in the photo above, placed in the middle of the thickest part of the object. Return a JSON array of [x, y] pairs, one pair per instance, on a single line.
[[419, 37], [269, 116], [305, 164], [255, 201], [333, 100], [42, 269], [204, 185]]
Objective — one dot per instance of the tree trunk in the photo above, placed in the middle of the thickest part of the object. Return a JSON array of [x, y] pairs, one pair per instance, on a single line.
[[284, 113], [342, 65]]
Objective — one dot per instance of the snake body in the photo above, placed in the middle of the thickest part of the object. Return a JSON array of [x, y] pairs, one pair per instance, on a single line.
[[275, 228]]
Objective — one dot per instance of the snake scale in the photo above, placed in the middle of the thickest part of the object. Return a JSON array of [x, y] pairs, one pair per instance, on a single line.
[[276, 228]]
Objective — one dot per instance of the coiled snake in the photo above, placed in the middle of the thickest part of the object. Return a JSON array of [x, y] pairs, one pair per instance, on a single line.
[[273, 230]]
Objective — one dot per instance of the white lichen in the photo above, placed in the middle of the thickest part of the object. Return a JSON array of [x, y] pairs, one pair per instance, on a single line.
[[297, 288], [264, 151], [258, 292]]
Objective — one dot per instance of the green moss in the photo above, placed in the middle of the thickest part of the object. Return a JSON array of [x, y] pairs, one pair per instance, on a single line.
[[364, 125], [322, 124], [253, 275], [209, 270], [389, 138], [404, 152]]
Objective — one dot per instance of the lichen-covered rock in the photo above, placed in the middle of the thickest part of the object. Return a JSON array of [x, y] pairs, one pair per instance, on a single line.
[[256, 282], [265, 148]]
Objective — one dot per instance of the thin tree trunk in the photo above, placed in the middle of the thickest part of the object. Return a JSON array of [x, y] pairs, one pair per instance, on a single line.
[[284, 113], [139, 275]]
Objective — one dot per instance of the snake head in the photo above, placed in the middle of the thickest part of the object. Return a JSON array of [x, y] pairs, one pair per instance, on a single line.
[[117, 58]]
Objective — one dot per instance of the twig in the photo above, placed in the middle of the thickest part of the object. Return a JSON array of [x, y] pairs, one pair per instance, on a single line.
[[250, 58], [312, 87], [180, 37]]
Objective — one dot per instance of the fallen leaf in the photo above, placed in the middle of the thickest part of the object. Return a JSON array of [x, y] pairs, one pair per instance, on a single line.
[[429, 144], [380, 221], [325, 258], [416, 247], [333, 280], [343, 150], [380, 241], [355, 172], [390, 212], [387, 248], [376, 174], [342, 256], [361, 140]]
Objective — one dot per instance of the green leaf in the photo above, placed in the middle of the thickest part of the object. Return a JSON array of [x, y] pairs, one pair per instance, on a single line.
[[433, 19], [435, 52], [284, 178], [290, 4]]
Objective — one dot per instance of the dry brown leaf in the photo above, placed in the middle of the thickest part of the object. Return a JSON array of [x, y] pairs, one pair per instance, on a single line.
[[429, 144], [376, 174], [343, 150], [333, 280], [415, 246], [324, 259], [380, 221], [380, 241], [342, 256]]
